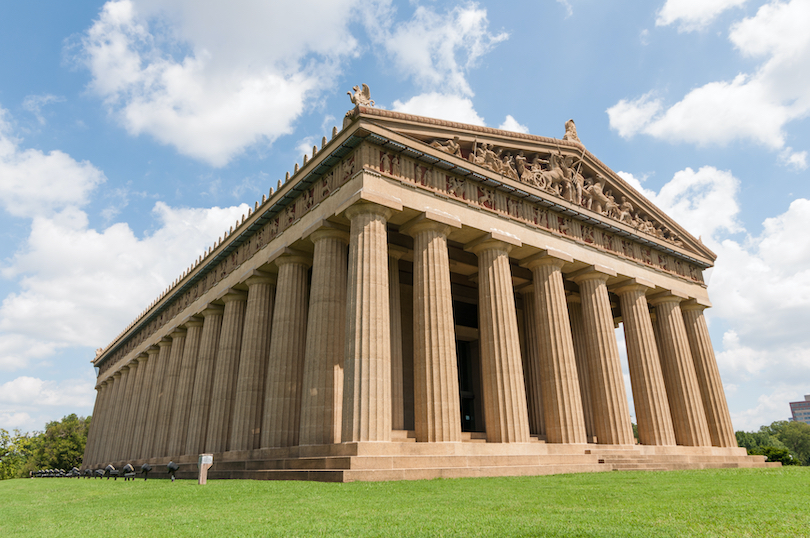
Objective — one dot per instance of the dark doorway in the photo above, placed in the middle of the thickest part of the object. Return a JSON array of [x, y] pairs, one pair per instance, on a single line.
[[469, 386]]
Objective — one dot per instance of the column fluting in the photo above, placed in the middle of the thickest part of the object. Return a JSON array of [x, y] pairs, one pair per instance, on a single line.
[[156, 397], [143, 436], [204, 380], [505, 409], [322, 395], [285, 366], [96, 426], [649, 392], [562, 403], [113, 429], [247, 411], [367, 367], [170, 382], [708, 376], [178, 429], [129, 439], [531, 364], [683, 393], [437, 410], [581, 354], [226, 368], [611, 414]]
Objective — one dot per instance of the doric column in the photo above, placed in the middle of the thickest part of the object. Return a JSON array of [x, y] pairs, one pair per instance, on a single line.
[[113, 430], [96, 426], [156, 397], [395, 304], [611, 414], [562, 404], [282, 399], [178, 429], [688, 417], [129, 439], [225, 370], [437, 411], [581, 354], [322, 395], [247, 410], [170, 382], [101, 441], [708, 375], [146, 366], [367, 367], [204, 380], [505, 408], [531, 364], [649, 393], [142, 436]]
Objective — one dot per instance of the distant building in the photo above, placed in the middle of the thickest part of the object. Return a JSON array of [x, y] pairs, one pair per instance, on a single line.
[[801, 410]]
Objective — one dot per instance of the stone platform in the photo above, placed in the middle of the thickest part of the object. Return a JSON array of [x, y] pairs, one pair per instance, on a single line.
[[404, 459]]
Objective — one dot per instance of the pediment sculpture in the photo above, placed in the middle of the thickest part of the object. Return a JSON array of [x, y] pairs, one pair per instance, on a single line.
[[361, 97]]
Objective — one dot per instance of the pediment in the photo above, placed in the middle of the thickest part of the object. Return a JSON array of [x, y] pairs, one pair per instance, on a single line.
[[558, 173]]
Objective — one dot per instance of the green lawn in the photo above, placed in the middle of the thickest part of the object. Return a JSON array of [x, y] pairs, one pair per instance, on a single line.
[[756, 502]]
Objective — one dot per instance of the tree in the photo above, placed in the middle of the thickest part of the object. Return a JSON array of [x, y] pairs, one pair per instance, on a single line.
[[15, 451], [796, 436], [781, 455], [60, 446]]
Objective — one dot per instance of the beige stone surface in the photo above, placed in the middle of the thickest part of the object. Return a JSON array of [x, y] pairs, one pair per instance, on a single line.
[[367, 367], [112, 428], [437, 413], [501, 366], [683, 393], [611, 415], [285, 366], [140, 444], [129, 440], [708, 376], [178, 427], [170, 382], [562, 403], [581, 354], [204, 380], [647, 381], [322, 394], [225, 370], [250, 379], [149, 449], [531, 365]]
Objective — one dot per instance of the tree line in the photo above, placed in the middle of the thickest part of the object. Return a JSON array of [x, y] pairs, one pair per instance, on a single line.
[[782, 441], [60, 446]]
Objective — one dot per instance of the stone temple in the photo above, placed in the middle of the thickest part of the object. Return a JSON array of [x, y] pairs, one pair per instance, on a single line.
[[421, 299]]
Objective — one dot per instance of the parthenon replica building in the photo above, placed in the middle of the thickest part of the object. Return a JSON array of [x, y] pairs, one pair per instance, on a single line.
[[421, 299]]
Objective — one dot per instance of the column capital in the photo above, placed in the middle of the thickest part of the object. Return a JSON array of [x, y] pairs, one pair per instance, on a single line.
[[260, 277], [431, 220], [367, 201], [153, 350], [695, 304], [193, 321], [397, 252], [592, 272], [546, 257], [631, 284], [232, 295], [573, 298], [212, 309], [493, 240], [291, 256], [669, 296], [178, 332], [165, 341], [321, 225]]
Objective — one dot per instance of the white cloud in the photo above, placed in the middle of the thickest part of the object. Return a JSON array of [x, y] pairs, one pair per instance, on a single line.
[[760, 288], [511, 124], [693, 14], [34, 104], [442, 106], [569, 10], [752, 106], [36, 183], [212, 82], [28, 403], [796, 160]]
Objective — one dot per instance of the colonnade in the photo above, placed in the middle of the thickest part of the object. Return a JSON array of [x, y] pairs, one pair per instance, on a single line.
[[284, 361]]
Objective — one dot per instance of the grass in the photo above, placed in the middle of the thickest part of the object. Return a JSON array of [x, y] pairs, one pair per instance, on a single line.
[[738, 502]]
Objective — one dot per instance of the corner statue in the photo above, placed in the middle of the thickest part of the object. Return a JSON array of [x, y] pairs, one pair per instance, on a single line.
[[571, 132], [362, 98]]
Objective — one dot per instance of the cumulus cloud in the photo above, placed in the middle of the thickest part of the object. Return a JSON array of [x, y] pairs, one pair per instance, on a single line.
[[442, 106], [693, 14], [34, 104], [511, 124], [37, 183], [760, 287], [212, 82], [28, 403], [752, 106]]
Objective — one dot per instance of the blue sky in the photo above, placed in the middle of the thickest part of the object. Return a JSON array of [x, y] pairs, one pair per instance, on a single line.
[[134, 132]]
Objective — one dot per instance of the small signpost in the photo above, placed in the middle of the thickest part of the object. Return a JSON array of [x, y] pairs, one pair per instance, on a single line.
[[204, 463]]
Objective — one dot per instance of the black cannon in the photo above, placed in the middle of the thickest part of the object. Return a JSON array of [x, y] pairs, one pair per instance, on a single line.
[[98, 473], [172, 468], [110, 471], [129, 472], [145, 468]]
